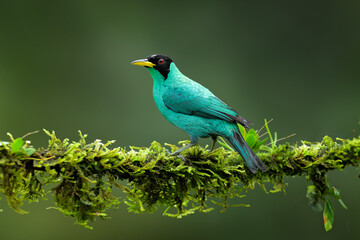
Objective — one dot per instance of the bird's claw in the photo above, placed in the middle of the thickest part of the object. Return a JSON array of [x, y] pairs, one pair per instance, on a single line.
[[182, 158], [167, 151], [176, 154]]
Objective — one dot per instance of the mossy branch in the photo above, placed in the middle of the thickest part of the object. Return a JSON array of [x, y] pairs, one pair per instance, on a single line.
[[83, 175]]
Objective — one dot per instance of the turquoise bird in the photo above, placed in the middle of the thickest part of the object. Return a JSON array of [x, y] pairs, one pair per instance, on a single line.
[[194, 109]]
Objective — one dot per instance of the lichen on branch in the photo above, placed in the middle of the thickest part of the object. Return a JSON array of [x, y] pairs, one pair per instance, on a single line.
[[85, 174]]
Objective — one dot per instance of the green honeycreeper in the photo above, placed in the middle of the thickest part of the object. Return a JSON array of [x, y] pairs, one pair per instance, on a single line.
[[194, 109]]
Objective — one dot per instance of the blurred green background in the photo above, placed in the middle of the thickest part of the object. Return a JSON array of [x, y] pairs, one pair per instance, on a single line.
[[64, 66]]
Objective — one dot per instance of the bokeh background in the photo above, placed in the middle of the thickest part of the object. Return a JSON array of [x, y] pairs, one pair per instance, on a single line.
[[64, 66]]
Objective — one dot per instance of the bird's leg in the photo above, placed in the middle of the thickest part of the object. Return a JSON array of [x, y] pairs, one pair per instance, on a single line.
[[178, 155], [214, 139], [177, 152]]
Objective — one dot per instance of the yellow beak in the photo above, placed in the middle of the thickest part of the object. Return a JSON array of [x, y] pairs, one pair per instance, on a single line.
[[143, 62]]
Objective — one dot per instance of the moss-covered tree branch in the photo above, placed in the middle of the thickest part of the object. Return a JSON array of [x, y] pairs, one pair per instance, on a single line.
[[83, 175]]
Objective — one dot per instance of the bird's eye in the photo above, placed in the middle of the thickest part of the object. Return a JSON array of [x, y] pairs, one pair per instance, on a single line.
[[161, 61]]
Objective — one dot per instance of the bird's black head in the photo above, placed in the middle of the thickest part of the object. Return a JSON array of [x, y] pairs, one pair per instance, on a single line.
[[156, 61], [162, 63]]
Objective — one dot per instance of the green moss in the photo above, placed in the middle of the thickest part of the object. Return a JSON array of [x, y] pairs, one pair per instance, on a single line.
[[85, 174]]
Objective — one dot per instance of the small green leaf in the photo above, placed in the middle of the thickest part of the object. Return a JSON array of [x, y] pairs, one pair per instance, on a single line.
[[268, 130], [263, 141], [328, 215], [342, 204], [252, 132], [29, 151], [225, 144], [242, 130], [16, 145], [259, 143], [275, 140], [335, 192], [251, 140]]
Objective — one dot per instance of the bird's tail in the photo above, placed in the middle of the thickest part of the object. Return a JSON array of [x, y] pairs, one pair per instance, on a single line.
[[252, 161]]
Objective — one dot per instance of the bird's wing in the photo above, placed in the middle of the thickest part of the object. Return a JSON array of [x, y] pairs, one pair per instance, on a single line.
[[199, 101]]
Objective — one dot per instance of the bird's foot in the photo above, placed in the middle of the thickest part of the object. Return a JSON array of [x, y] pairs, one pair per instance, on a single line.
[[182, 158], [168, 152], [176, 154]]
